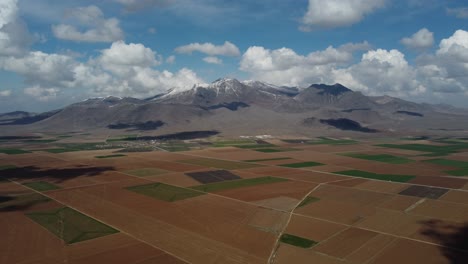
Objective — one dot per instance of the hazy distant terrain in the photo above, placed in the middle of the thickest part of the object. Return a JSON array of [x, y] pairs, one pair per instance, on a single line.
[[247, 108]]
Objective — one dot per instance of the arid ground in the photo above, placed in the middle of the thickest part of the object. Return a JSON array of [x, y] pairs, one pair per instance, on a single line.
[[72, 198]]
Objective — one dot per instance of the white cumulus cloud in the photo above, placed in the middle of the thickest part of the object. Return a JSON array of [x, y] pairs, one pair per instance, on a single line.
[[5, 93], [171, 59], [121, 57], [337, 13], [14, 36], [213, 60], [136, 5], [420, 40], [41, 94], [461, 12], [285, 67], [227, 49], [97, 28]]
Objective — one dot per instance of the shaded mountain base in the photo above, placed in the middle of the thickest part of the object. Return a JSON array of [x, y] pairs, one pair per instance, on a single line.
[[6, 138], [29, 119], [355, 109], [347, 124], [409, 113], [233, 106], [150, 125]]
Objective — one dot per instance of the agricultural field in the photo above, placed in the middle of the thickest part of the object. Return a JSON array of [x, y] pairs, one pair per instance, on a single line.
[[71, 198]]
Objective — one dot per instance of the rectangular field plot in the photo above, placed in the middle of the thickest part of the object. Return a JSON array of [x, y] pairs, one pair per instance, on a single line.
[[386, 158], [302, 164], [461, 165], [164, 192], [261, 160], [145, 172], [274, 150], [41, 186], [110, 156], [424, 192], [308, 200], [377, 176], [220, 164], [433, 150], [7, 167], [221, 186], [212, 176], [71, 226], [20, 202], [12, 151], [297, 241]]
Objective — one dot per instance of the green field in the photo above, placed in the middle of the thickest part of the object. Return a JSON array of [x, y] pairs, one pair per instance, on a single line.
[[13, 151], [220, 164], [71, 147], [164, 192], [386, 158], [376, 176], [308, 200], [110, 156], [331, 141], [449, 162], [273, 150], [302, 164], [41, 186], [24, 201], [233, 143], [297, 241], [433, 150], [461, 165], [145, 172], [40, 141], [255, 146], [71, 226], [123, 138], [6, 167], [272, 159], [234, 184]]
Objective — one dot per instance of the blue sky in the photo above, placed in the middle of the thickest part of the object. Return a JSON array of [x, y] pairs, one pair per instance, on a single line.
[[53, 52]]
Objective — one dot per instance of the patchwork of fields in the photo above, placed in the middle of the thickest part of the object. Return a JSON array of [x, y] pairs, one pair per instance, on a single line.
[[234, 201]]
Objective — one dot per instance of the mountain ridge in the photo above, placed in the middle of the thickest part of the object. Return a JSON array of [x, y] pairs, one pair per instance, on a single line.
[[234, 106]]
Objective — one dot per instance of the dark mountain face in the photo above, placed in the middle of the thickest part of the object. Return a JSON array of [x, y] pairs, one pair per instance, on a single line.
[[228, 105], [335, 89]]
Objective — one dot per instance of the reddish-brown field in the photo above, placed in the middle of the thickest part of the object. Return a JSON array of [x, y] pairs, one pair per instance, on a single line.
[[350, 220]]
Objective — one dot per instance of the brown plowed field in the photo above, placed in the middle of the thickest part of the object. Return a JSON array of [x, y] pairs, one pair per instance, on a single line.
[[409, 252], [382, 186], [207, 233], [354, 220], [291, 189], [290, 254], [399, 202], [443, 182], [345, 242], [313, 229]]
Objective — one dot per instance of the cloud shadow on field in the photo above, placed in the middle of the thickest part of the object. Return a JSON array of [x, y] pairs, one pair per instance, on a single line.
[[56, 174], [453, 238]]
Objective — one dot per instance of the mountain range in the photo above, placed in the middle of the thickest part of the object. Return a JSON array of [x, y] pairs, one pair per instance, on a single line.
[[235, 107]]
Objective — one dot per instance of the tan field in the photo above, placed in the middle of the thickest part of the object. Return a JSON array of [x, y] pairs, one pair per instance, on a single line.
[[302, 204]]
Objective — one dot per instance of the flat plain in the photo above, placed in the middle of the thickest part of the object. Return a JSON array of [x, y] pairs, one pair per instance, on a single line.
[[317, 201]]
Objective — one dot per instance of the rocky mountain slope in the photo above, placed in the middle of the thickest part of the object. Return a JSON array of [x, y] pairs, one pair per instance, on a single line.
[[247, 107]]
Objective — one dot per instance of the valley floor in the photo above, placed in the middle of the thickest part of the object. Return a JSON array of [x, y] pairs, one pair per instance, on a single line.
[[70, 199]]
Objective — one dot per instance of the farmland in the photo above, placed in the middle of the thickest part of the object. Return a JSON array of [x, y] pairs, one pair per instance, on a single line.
[[230, 200]]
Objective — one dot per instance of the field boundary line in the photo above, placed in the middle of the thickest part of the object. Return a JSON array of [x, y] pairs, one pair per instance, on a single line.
[[380, 232], [123, 232], [274, 250]]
